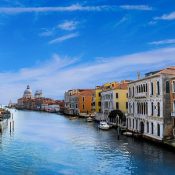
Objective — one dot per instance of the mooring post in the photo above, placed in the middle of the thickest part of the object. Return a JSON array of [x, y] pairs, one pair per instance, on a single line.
[[10, 127], [13, 125]]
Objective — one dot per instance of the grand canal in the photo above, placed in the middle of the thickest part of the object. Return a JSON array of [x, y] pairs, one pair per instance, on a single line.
[[50, 144]]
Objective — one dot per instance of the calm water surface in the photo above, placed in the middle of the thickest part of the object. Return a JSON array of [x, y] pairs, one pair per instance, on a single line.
[[50, 144]]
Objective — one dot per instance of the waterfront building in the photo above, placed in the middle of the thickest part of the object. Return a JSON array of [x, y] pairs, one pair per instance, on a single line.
[[78, 101], [172, 100], [114, 97], [85, 101], [38, 102], [149, 108], [97, 97], [71, 102]]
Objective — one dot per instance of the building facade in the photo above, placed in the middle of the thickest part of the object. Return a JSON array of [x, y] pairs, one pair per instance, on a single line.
[[149, 108], [172, 96], [78, 101], [114, 97]]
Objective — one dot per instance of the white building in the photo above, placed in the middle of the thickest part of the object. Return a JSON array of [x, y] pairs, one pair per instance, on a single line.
[[38, 94], [149, 109], [27, 92]]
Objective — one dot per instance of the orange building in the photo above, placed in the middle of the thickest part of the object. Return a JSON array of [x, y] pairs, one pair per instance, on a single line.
[[85, 101]]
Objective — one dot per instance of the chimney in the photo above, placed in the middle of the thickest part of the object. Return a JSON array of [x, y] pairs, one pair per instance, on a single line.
[[138, 75]]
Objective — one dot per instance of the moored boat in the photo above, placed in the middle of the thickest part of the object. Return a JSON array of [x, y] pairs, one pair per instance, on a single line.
[[103, 125], [89, 119]]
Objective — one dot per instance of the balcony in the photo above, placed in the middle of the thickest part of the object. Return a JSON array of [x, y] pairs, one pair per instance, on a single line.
[[173, 114], [141, 95]]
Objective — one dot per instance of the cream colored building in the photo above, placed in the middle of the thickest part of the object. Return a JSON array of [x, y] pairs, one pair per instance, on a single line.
[[149, 108]]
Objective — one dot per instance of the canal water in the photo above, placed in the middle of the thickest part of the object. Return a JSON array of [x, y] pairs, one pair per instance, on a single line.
[[50, 144]]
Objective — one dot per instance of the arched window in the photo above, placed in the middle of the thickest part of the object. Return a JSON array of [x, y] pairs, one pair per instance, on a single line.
[[158, 88], [152, 108], [147, 127], [133, 91], [133, 123], [142, 108], [141, 88], [146, 107], [146, 88], [136, 123], [137, 108], [133, 108], [152, 128], [152, 88], [158, 109], [158, 130]]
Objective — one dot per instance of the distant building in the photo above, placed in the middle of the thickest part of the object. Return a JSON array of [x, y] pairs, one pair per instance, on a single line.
[[27, 92], [38, 102], [149, 107], [38, 94]]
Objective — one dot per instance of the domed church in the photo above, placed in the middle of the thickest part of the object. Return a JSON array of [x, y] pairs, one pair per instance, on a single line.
[[27, 93]]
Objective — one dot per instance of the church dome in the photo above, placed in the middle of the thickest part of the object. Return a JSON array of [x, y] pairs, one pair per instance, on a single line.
[[28, 92]]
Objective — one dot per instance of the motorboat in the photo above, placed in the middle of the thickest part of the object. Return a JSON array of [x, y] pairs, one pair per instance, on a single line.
[[128, 134], [103, 125]]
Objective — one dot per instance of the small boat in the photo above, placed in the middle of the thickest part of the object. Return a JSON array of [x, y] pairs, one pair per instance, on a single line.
[[103, 125], [89, 119], [73, 118], [127, 133]]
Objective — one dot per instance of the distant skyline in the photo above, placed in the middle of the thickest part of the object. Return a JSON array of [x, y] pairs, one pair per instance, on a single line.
[[60, 45]]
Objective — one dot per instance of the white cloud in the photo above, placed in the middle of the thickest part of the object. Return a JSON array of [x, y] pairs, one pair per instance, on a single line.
[[170, 16], [136, 7], [162, 42], [74, 7], [62, 73], [68, 25], [47, 33], [64, 38]]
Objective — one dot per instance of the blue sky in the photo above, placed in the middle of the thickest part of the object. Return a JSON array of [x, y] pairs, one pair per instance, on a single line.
[[58, 45]]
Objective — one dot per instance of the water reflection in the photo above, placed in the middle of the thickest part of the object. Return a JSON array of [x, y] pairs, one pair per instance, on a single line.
[[51, 144]]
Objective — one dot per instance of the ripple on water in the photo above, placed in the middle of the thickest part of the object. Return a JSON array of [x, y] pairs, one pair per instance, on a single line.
[[52, 144]]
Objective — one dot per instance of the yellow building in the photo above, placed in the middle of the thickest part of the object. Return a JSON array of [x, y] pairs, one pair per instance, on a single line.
[[114, 97], [112, 88], [98, 91]]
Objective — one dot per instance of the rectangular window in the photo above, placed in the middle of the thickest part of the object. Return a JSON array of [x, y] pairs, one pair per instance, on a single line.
[[83, 106], [116, 95], [83, 99], [117, 105], [99, 94], [126, 95], [173, 88], [99, 103], [167, 87]]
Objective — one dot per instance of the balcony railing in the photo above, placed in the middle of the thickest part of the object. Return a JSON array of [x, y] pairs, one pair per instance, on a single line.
[[141, 95]]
